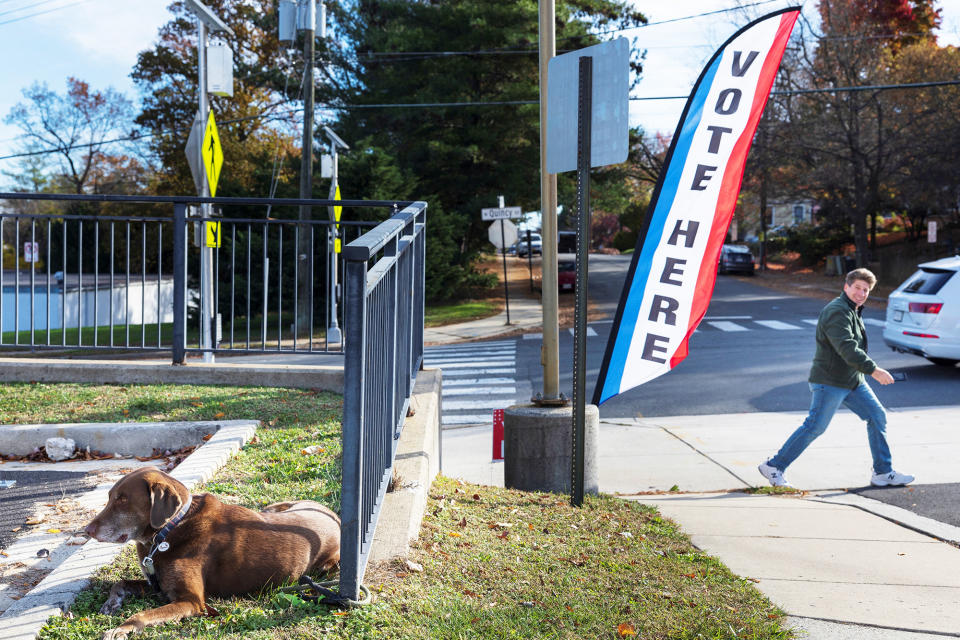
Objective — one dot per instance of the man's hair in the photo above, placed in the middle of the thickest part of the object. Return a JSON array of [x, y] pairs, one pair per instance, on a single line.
[[862, 274]]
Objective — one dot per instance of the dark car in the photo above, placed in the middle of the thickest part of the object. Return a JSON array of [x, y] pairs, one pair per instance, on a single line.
[[736, 258], [566, 273]]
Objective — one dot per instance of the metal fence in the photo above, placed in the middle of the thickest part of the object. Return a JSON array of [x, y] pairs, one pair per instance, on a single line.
[[82, 281], [384, 289], [131, 282]]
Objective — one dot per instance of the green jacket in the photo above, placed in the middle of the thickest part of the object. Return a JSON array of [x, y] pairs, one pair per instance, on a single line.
[[841, 359]]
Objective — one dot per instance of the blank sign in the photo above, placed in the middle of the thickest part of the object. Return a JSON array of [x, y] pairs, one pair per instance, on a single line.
[[609, 137]]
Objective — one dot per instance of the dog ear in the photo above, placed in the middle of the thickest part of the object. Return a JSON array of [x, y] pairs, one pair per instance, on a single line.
[[164, 503]]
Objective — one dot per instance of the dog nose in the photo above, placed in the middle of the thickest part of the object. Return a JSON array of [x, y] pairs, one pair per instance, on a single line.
[[90, 530]]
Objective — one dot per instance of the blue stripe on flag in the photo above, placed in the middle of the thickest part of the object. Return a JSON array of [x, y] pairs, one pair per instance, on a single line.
[[668, 192]]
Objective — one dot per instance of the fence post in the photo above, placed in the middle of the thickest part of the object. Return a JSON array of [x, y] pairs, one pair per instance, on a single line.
[[354, 324], [179, 282]]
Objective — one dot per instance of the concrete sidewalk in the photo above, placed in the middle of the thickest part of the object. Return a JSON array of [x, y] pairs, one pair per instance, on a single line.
[[842, 566], [526, 314]]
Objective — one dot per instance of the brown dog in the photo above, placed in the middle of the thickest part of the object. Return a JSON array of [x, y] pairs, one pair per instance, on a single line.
[[211, 549]]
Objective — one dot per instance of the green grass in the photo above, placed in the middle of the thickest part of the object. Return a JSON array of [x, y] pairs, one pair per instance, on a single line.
[[497, 563], [440, 315]]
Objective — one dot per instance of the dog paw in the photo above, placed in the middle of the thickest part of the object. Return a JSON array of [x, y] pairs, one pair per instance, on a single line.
[[111, 606], [120, 633]]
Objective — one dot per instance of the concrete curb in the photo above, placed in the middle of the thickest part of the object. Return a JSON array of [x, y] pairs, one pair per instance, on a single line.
[[417, 463], [897, 515], [328, 378], [55, 593], [127, 439]]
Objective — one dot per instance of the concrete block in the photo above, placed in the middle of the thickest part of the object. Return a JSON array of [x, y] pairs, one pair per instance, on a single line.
[[538, 446]]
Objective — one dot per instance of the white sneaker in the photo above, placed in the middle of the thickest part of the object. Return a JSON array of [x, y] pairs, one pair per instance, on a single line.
[[774, 475], [890, 479]]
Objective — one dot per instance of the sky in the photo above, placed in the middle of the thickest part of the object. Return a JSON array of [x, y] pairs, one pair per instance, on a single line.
[[97, 41]]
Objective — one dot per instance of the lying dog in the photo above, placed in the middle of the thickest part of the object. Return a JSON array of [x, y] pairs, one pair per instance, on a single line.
[[192, 547]]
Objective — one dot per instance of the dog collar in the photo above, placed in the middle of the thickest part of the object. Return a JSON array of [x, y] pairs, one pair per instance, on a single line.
[[159, 540]]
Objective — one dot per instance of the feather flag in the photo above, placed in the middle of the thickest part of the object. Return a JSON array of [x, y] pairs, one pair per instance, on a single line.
[[674, 266]]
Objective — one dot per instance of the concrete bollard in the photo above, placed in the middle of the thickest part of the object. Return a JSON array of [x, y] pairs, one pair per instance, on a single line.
[[537, 447]]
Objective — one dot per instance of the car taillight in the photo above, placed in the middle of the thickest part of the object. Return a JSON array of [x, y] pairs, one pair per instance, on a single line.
[[920, 335], [925, 307]]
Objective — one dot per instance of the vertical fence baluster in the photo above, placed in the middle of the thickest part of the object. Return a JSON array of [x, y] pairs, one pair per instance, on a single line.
[[296, 280], [16, 283], [159, 283], [233, 275], [179, 282], [143, 285], [33, 289], [112, 230], [279, 285], [80, 283], [96, 281], [249, 280], [49, 294], [126, 294]]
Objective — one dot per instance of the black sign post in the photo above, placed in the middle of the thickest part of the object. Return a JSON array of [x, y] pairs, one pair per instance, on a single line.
[[584, 116]]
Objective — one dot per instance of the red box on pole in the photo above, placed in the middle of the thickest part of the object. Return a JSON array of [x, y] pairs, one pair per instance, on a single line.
[[498, 434]]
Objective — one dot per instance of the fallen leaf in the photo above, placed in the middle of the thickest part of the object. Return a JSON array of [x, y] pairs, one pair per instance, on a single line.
[[455, 534], [34, 520], [341, 613], [625, 629], [196, 404], [476, 496], [218, 415], [207, 437], [53, 530], [462, 523], [504, 535], [126, 412]]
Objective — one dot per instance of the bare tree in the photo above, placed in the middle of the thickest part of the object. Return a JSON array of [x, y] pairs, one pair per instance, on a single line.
[[75, 127]]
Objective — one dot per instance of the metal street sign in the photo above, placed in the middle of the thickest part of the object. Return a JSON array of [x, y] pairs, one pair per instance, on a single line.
[[213, 234], [31, 251], [191, 150], [609, 126], [500, 213], [337, 210], [506, 238], [212, 154]]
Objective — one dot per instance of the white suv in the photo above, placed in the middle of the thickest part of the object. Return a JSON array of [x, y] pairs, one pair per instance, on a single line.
[[923, 313]]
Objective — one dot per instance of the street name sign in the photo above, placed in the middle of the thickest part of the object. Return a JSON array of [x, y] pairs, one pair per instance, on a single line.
[[500, 213]]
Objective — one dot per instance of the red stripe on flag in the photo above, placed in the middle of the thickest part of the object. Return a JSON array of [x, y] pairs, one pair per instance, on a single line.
[[730, 187]]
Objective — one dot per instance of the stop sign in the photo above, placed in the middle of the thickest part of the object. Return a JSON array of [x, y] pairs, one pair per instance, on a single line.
[[505, 239]]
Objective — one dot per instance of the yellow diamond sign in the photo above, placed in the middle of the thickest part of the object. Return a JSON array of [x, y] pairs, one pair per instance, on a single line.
[[212, 154], [337, 210]]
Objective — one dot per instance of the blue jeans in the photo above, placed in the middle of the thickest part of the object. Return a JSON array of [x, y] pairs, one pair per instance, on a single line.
[[825, 402]]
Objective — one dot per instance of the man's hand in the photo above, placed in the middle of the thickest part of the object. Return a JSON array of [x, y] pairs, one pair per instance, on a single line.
[[882, 376]]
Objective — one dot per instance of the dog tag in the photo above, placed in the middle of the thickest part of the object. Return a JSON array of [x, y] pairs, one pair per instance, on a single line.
[[163, 546], [148, 566]]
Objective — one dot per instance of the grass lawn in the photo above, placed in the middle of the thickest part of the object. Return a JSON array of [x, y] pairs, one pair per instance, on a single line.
[[496, 563], [439, 315]]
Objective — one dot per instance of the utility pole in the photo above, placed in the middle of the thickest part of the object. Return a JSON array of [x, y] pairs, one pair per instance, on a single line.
[[205, 18], [550, 351], [305, 248]]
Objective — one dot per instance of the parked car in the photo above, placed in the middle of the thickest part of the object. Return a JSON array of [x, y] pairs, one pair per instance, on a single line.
[[566, 272], [923, 313], [536, 245], [736, 258]]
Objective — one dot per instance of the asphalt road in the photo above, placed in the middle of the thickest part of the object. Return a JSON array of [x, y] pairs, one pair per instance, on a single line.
[[33, 488]]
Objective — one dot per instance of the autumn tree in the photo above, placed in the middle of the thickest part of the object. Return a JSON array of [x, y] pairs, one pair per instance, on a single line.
[[77, 128]]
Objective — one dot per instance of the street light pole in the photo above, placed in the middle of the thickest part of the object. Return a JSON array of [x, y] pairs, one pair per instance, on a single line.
[[205, 18]]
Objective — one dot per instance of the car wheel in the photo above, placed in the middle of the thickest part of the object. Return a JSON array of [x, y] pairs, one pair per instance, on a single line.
[[943, 362]]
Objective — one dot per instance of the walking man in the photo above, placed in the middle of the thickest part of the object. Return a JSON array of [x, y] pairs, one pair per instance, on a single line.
[[837, 377]]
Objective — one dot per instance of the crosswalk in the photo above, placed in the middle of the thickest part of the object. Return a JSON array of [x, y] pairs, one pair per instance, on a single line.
[[477, 378], [746, 323]]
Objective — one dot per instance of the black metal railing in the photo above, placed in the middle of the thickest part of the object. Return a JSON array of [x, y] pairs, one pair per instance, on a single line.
[[384, 287], [93, 281]]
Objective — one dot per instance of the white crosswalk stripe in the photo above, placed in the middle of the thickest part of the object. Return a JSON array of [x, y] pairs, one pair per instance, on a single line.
[[726, 325], [477, 378], [776, 324]]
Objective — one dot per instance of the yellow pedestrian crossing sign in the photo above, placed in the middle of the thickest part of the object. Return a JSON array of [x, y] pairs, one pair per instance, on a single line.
[[212, 155], [213, 234], [337, 210]]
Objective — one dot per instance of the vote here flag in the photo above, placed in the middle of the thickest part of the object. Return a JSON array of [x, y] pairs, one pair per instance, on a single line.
[[674, 266]]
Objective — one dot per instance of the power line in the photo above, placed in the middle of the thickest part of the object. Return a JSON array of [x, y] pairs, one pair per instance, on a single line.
[[497, 103], [40, 13]]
